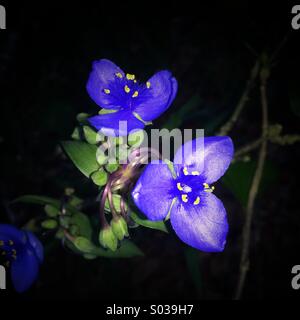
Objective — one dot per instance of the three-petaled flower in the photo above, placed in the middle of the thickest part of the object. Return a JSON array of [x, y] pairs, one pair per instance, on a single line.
[[197, 216], [127, 100], [23, 253]]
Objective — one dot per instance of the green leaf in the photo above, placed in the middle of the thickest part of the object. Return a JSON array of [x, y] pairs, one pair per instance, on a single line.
[[83, 156], [83, 223], [193, 265], [158, 225], [127, 249], [239, 176]]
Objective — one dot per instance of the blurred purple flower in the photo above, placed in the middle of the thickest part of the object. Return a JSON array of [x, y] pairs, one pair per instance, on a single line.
[[23, 253]]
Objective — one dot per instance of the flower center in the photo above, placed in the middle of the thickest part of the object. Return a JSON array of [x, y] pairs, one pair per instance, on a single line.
[[8, 251], [189, 185], [125, 90]]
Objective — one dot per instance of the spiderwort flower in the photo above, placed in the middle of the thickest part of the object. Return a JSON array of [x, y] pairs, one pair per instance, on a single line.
[[23, 252], [197, 216], [126, 99]]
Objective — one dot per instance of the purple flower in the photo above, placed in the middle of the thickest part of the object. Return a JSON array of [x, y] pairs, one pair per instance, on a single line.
[[23, 252], [197, 216], [126, 99]]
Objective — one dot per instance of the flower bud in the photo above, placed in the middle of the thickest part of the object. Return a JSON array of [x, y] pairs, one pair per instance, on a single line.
[[76, 134], [115, 140], [81, 117], [108, 239], [122, 153], [51, 211], [101, 157], [112, 167], [119, 227], [100, 177], [136, 138], [49, 224]]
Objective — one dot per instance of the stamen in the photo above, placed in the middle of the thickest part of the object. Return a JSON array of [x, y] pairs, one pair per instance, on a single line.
[[197, 201], [1, 243], [127, 89], [14, 252], [207, 188], [184, 197], [185, 171], [148, 84], [136, 93], [195, 173], [107, 91], [179, 187], [10, 242], [119, 75], [130, 76]]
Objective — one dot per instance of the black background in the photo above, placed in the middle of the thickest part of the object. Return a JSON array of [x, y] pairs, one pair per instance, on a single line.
[[45, 58]]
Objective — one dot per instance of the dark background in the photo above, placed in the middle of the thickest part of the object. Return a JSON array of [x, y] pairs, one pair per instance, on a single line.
[[45, 59]]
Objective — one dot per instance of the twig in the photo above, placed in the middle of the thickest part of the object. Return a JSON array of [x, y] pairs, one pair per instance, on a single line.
[[242, 102], [248, 147], [244, 264]]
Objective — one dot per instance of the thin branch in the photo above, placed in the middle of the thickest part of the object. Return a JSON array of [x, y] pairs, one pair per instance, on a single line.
[[244, 264], [242, 102], [248, 147]]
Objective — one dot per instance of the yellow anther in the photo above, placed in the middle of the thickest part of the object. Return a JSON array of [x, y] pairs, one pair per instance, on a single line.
[[10, 242], [119, 75], [130, 76], [195, 173], [185, 171], [1, 243], [134, 81], [179, 187], [14, 252], [184, 197], [207, 188], [197, 201], [127, 89], [148, 84], [136, 93], [107, 91]]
